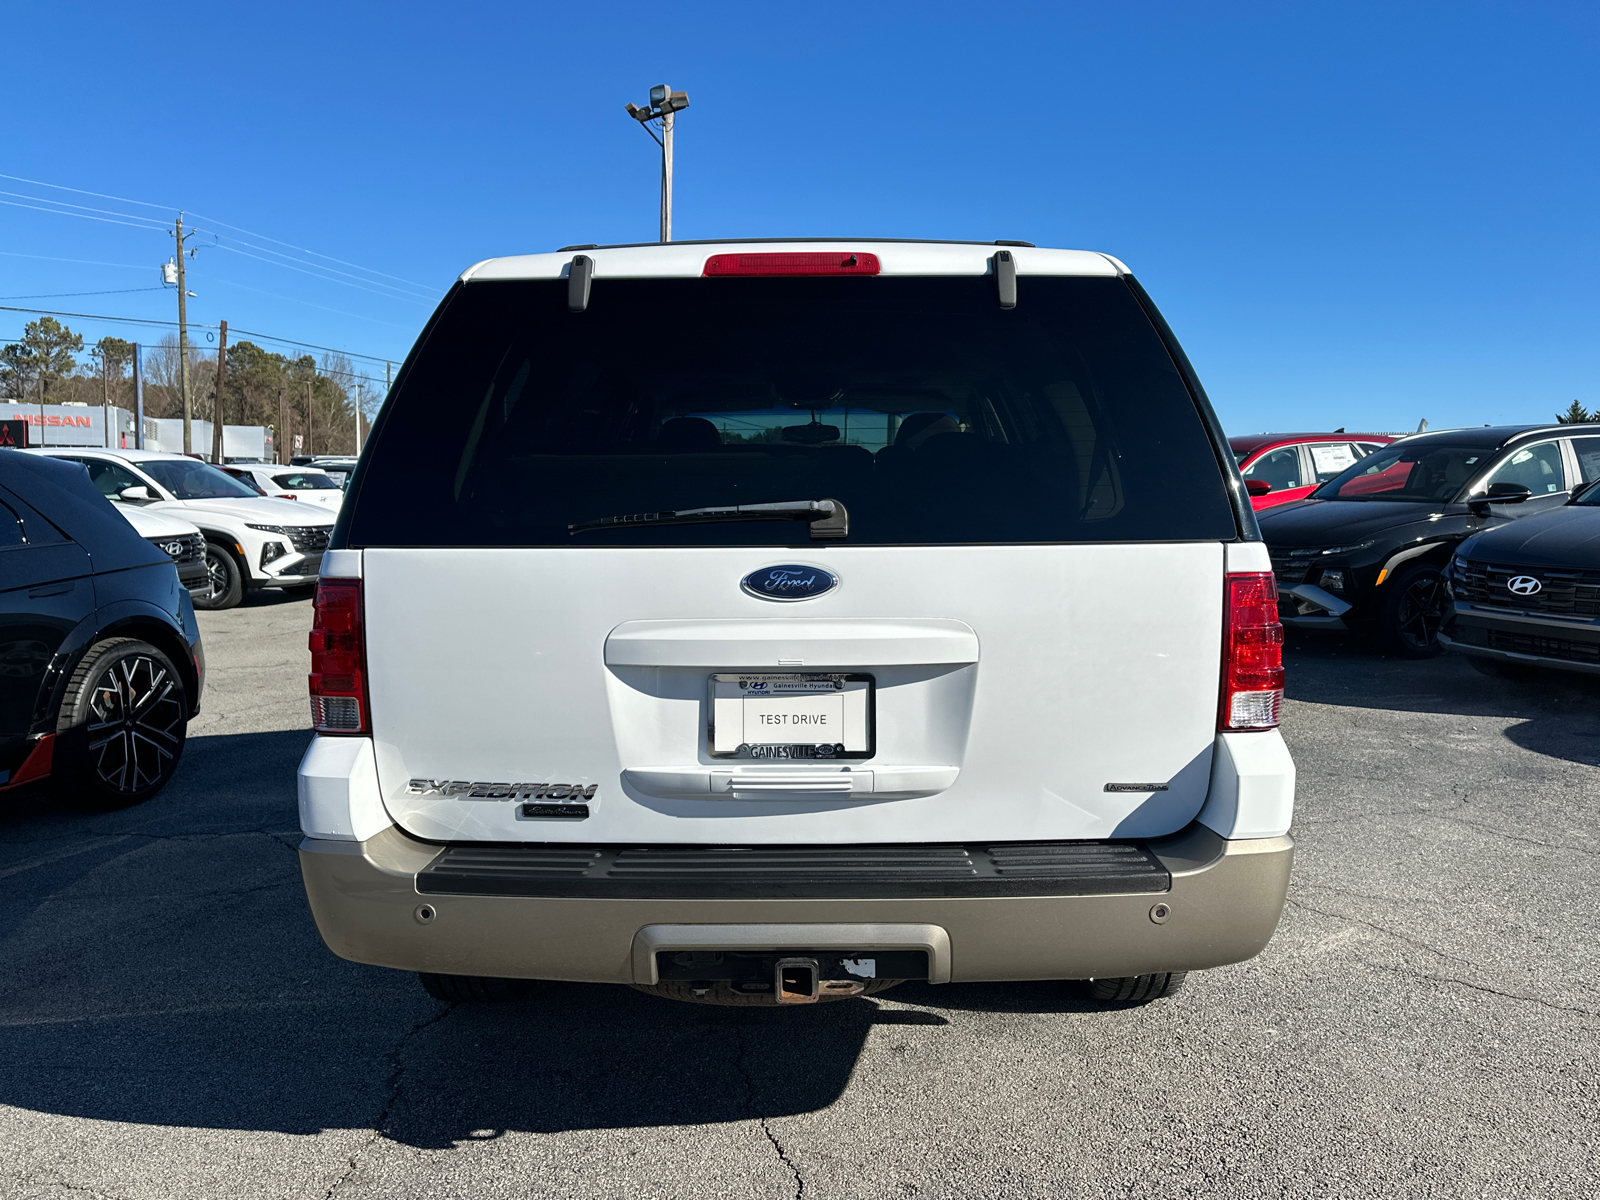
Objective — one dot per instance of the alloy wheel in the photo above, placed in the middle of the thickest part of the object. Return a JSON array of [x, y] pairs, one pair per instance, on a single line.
[[1421, 611], [216, 572], [136, 713]]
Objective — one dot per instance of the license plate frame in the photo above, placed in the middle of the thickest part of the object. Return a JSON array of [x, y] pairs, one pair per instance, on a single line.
[[858, 693]]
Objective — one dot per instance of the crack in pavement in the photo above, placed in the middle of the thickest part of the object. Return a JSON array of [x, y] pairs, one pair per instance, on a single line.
[[1476, 987], [1394, 933], [743, 1067], [1518, 838], [1480, 987], [56, 1181], [397, 1070]]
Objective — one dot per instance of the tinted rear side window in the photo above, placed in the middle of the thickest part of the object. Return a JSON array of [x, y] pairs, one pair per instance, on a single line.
[[934, 415]]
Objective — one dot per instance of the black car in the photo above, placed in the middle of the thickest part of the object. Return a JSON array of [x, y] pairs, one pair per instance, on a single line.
[[101, 666], [1528, 595], [1367, 550]]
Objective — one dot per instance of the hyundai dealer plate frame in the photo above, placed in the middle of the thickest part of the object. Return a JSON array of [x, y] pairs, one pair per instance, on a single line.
[[842, 705]]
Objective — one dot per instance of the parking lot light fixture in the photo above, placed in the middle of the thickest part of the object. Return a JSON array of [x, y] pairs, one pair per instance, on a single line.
[[664, 104]]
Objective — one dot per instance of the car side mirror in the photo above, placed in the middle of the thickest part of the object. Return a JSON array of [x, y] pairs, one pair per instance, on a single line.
[[1582, 490], [1257, 487], [137, 494], [1498, 493]]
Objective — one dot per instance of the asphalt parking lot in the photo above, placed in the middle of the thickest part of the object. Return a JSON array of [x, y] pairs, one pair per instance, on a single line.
[[1425, 1023]]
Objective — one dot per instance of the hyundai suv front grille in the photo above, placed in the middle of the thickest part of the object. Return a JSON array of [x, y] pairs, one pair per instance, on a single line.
[[1562, 592]]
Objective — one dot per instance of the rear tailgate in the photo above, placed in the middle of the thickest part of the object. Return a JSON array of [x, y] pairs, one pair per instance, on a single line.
[[1021, 692]]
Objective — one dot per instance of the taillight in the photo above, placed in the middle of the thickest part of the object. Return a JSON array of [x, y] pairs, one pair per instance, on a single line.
[[1252, 653], [831, 263], [338, 658]]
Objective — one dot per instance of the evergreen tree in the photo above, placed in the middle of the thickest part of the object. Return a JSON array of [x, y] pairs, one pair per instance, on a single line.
[[1575, 415], [44, 355]]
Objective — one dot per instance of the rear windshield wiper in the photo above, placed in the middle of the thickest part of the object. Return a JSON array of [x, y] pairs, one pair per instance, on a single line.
[[829, 520]]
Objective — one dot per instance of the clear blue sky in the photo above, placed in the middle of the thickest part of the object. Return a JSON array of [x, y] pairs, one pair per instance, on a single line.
[[1352, 214]]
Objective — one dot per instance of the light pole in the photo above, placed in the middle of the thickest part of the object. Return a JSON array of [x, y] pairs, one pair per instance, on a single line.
[[664, 102]]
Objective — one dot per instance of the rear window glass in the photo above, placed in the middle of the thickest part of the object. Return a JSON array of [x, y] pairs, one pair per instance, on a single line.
[[306, 481], [931, 413]]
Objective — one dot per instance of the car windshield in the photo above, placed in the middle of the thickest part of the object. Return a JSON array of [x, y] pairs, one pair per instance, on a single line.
[[931, 413], [305, 481], [1419, 473], [188, 479]]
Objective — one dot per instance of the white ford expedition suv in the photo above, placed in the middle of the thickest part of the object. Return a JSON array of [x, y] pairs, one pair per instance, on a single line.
[[785, 620]]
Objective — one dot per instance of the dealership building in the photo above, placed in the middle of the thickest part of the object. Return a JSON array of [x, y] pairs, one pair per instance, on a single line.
[[52, 425]]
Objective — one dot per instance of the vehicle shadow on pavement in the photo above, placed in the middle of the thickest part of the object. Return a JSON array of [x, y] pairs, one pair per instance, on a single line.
[[160, 967], [1559, 711]]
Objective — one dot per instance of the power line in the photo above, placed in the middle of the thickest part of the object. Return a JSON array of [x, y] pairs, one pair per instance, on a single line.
[[81, 192], [266, 337], [110, 212], [317, 266], [306, 270], [108, 292], [307, 303], [85, 216], [302, 250], [202, 216], [88, 262]]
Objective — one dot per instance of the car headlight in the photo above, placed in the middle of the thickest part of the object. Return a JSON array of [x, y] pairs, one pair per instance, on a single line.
[[1332, 580], [1347, 549], [269, 529]]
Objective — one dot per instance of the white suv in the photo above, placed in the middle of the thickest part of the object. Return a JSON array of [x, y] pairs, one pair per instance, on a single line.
[[308, 485], [251, 541], [899, 614]]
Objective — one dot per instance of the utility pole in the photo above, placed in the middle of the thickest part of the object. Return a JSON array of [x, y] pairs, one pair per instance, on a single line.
[[183, 337], [664, 103], [310, 416], [283, 423], [105, 395], [138, 396], [666, 177], [216, 415]]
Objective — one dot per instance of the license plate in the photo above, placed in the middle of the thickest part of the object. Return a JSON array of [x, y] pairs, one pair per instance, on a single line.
[[791, 716]]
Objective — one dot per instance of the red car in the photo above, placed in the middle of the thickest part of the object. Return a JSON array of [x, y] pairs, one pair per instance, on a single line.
[[1280, 467]]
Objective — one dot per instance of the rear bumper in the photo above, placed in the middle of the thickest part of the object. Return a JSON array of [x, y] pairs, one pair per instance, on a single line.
[[1222, 905]]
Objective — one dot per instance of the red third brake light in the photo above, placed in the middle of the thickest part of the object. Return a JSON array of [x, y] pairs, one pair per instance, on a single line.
[[1252, 653], [832, 263], [338, 659]]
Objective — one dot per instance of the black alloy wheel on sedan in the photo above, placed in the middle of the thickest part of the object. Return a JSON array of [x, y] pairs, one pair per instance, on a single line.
[[1414, 612], [122, 727]]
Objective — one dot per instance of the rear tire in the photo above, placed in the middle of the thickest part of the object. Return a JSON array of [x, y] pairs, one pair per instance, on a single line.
[[473, 989], [122, 726], [226, 584], [1413, 611], [1136, 989], [1496, 669]]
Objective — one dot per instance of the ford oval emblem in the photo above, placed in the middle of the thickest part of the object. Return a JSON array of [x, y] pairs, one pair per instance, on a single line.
[[788, 581]]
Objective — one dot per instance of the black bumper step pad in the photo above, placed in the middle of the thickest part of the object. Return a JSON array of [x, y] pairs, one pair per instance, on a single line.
[[795, 872]]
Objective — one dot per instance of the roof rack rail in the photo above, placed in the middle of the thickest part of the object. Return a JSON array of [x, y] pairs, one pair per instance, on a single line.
[[761, 240]]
